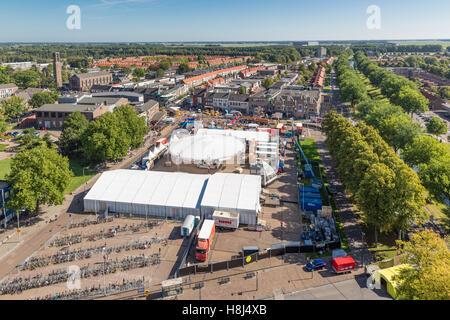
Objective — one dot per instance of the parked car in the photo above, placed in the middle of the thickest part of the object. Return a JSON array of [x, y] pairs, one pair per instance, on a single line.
[[316, 264], [339, 253], [331, 188]]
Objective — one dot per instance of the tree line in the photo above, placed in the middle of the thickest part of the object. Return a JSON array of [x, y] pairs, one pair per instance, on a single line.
[[387, 191], [399, 90], [403, 134]]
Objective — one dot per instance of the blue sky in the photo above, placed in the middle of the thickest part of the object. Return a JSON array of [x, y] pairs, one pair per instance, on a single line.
[[226, 20]]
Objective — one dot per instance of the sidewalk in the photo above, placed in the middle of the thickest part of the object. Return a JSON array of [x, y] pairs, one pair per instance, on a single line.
[[350, 220]]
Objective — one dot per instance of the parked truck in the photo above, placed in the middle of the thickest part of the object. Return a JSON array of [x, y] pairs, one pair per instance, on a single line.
[[204, 240], [188, 225], [226, 220]]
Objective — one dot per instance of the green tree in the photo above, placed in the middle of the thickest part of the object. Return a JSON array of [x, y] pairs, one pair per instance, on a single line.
[[44, 97], [38, 176], [3, 124], [105, 139], [376, 196], [399, 131], [242, 90], [435, 176], [139, 72], [423, 150], [29, 141], [130, 122], [428, 277], [183, 68], [436, 126], [165, 64], [27, 79], [12, 107], [267, 82], [159, 73], [73, 129], [412, 101]]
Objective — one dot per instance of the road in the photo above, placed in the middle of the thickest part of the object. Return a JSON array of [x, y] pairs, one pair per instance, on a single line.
[[358, 246], [351, 289]]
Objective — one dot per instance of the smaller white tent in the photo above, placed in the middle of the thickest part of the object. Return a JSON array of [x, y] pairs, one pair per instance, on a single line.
[[237, 193]]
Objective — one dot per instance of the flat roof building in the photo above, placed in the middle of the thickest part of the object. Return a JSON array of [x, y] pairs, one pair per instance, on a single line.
[[52, 116]]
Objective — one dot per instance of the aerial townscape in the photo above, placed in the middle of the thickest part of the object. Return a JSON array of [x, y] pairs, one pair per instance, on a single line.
[[224, 170]]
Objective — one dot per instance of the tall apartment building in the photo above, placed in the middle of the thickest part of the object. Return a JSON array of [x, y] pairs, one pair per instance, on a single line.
[[321, 52], [57, 69]]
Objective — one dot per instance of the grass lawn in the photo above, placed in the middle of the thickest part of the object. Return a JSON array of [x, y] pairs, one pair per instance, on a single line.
[[4, 146], [310, 149], [5, 167], [441, 214], [78, 179], [373, 92], [74, 165], [386, 248]]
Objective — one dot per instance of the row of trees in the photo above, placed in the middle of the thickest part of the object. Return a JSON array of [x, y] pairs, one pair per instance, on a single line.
[[387, 191], [398, 89], [109, 137], [404, 135], [352, 88]]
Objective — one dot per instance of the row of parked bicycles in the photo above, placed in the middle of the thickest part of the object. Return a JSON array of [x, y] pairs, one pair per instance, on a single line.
[[86, 253], [20, 284], [93, 291], [102, 234]]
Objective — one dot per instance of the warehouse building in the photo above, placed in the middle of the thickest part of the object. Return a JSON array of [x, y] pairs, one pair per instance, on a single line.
[[175, 194]]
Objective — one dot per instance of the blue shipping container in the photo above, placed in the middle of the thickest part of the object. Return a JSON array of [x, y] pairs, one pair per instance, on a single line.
[[309, 204], [308, 189], [310, 195]]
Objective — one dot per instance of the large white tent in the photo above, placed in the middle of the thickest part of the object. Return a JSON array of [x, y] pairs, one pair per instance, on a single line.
[[175, 194], [258, 136], [162, 194], [237, 193], [206, 148]]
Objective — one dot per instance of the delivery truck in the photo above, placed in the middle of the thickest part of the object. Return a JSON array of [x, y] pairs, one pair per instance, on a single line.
[[343, 264], [226, 220], [188, 225], [204, 240]]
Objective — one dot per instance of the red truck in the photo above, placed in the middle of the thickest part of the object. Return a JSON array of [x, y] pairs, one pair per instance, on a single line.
[[343, 264], [204, 240]]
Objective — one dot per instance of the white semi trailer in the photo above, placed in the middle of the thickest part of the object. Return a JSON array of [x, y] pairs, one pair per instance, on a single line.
[[226, 220]]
